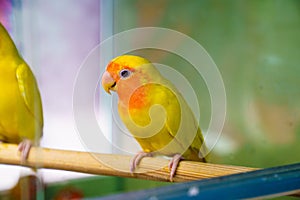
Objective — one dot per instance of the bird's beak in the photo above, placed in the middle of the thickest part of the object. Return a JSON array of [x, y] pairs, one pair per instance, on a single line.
[[108, 83]]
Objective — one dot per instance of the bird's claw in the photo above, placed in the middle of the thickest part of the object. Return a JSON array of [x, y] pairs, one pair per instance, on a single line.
[[135, 161], [173, 164], [24, 148]]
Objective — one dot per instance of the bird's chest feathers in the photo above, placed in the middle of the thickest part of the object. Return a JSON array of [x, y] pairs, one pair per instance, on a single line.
[[142, 114], [135, 93], [135, 105]]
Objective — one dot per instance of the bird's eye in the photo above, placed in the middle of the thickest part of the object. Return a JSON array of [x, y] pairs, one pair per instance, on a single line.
[[125, 73]]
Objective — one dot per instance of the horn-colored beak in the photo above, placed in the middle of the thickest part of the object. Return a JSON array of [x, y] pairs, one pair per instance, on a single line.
[[108, 83]]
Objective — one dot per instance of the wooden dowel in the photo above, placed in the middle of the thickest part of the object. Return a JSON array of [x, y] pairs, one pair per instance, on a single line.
[[115, 165]]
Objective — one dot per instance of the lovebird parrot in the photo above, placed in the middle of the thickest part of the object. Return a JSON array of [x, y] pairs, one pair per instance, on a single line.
[[21, 116], [154, 112]]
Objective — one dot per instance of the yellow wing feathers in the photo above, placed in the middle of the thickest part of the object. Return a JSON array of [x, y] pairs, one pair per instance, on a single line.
[[31, 99], [30, 92]]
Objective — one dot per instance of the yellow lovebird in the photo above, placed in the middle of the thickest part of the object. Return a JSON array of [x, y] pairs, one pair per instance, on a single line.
[[154, 111], [21, 117]]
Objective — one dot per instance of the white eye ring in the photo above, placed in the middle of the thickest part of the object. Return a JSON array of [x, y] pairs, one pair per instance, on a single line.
[[125, 73]]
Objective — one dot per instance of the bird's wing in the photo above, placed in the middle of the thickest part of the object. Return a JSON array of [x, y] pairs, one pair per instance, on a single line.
[[182, 124], [29, 91]]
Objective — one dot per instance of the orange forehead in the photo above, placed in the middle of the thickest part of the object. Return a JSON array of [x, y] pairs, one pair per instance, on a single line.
[[126, 62], [114, 68]]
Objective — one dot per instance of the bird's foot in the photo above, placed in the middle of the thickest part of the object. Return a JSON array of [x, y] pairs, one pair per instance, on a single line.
[[24, 148], [173, 164], [135, 161]]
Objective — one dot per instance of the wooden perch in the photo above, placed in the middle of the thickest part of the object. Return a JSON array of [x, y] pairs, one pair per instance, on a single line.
[[114, 165]]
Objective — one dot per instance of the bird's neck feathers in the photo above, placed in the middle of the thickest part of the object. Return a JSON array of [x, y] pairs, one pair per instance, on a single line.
[[135, 92]]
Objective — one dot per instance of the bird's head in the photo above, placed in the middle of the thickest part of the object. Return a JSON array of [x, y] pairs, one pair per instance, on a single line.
[[127, 71]]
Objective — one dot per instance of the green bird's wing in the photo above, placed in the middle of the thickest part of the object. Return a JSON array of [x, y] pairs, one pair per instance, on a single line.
[[30, 94], [183, 126]]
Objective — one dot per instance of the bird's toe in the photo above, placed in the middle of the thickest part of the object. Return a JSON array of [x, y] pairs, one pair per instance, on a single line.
[[135, 161], [24, 148], [173, 164]]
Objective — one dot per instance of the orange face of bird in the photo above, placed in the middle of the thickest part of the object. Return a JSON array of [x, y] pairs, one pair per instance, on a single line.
[[115, 74], [127, 75]]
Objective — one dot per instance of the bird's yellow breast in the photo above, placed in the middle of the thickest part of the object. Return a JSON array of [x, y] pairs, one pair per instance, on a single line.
[[150, 110]]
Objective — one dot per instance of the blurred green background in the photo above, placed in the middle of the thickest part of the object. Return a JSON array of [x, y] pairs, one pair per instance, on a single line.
[[255, 45]]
